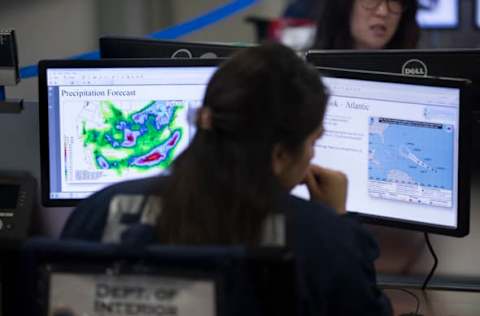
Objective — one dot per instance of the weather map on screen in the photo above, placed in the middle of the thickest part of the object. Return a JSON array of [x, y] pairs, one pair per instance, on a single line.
[[405, 162], [132, 135], [110, 125], [111, 140]]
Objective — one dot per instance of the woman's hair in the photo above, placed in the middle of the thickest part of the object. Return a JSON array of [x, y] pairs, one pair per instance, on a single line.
[[333, 26], [222, 187]]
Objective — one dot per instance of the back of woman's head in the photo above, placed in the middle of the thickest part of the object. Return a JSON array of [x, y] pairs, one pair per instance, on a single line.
[[265, 95], [222, 187], [334, 25]]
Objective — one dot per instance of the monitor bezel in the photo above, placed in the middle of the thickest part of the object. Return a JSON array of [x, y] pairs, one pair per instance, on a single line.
[[45, 65], [463, 177], [316, 57], [142, 47]]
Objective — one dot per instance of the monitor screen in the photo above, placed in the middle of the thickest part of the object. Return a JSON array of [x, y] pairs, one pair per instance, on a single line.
[[108, 123], [399, 145], [477, 13], [438, 14]]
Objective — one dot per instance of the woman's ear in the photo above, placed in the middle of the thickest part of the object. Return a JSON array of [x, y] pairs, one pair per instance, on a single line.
[[280, 160]]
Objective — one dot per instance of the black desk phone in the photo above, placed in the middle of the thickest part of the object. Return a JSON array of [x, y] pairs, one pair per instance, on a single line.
[[17, 200]]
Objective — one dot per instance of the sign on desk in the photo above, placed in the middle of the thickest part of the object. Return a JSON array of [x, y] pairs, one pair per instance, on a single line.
[[139, 295]]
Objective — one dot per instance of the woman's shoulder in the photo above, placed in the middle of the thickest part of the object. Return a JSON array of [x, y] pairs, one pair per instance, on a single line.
[[144, 186], [123, 202], [335, 256], [313, 214], [147, 185], [319, 225]]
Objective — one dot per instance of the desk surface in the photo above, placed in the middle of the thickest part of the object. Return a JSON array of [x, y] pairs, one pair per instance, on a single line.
[[435, 302]]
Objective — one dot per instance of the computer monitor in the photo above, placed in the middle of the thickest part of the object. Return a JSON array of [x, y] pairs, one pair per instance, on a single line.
[[136, 47], [477, 14], [438, 14], [401, 141], [455, 63], [106, 121]]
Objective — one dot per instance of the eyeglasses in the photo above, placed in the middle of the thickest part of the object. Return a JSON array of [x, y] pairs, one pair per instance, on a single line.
[[394, 6]]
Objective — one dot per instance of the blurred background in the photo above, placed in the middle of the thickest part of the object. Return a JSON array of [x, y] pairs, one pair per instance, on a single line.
[[63, 28]]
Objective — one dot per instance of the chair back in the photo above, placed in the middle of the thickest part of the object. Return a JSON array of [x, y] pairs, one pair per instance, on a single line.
[[84, 278]]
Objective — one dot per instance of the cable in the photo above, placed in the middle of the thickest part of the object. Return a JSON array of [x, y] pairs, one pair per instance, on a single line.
[[435, 262], [417, 309], [425, 283]]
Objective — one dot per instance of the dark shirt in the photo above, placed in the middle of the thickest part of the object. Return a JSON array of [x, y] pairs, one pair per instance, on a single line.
[[334, 254]]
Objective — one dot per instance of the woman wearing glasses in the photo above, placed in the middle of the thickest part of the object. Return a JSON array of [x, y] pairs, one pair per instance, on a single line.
[[367, 24]]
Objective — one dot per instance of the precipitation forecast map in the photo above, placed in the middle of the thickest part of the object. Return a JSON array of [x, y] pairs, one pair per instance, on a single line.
[[409, 153], [125, 137]]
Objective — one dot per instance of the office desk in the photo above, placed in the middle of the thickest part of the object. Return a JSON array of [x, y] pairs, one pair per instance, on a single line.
[[435, 302]]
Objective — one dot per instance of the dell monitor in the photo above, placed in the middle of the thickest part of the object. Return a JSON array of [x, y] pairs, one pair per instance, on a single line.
[[135, 47], [401, 142], [106, 121], [455, 63]]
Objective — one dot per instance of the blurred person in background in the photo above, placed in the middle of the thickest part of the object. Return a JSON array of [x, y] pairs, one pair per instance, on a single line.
[[360, 24]]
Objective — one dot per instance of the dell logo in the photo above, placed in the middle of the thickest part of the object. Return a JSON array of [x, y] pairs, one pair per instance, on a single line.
[[184, 53], [414, 67]]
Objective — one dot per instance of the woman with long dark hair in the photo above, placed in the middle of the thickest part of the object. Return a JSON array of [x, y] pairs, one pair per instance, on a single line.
[[262, 114], [366, 24], [258, 108]]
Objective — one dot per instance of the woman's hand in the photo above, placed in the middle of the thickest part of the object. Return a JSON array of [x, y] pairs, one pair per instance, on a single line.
[[327, 186]]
